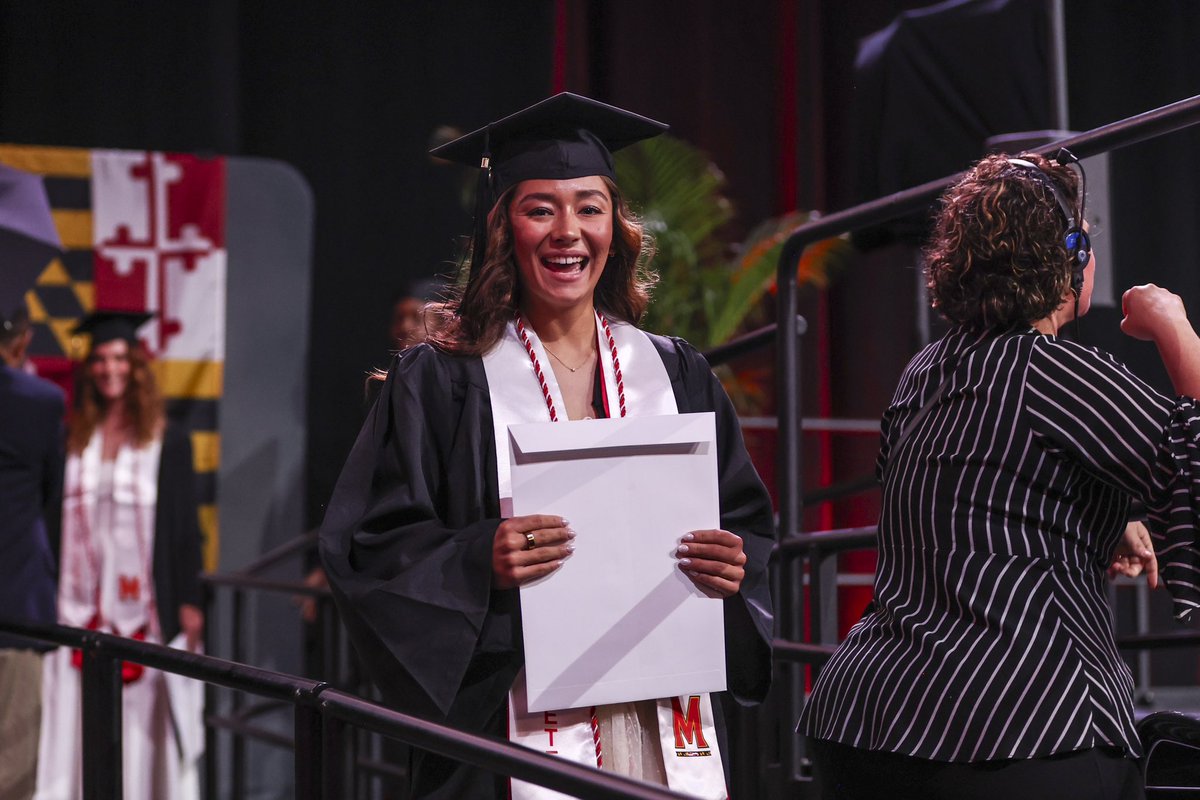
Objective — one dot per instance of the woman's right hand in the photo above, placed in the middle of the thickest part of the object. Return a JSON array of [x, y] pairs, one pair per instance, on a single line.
[[1135, 555], [1154, 314], [527, 548], [1151, 312]]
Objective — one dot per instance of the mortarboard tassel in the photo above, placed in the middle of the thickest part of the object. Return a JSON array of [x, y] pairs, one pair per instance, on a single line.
[[483, 204]]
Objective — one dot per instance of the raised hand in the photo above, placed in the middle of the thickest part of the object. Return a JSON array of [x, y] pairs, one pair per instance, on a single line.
[[1151, 312]]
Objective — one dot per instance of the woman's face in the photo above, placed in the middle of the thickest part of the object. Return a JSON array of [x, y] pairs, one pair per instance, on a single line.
[[562, 234], [109, 368]]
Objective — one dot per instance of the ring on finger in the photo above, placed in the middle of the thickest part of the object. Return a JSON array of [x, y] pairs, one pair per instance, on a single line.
[[530, 541]]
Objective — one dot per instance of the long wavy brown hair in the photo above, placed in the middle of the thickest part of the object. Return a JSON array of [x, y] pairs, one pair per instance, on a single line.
[[144, 407], [473, 320], [997, 256]]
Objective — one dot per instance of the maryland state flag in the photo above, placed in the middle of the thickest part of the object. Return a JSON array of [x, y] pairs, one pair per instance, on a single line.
[[142, 231]]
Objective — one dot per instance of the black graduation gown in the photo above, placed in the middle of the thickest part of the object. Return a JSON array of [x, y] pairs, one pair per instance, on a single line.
[[177, 538], [407, 543]]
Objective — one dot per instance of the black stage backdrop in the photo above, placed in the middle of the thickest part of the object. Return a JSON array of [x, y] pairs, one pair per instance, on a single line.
[[349, 93]]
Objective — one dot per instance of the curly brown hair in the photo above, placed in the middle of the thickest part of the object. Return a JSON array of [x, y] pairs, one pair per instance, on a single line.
[[473, 320], [144, 406], [996, 257]]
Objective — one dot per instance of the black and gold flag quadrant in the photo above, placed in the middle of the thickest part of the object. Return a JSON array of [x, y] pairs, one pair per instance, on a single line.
[[65, 292]]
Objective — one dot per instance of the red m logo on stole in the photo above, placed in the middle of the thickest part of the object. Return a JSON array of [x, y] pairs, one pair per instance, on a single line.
[[128, 587], [688, 727]]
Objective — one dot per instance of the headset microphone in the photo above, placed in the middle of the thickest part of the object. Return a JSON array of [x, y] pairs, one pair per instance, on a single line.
[[1076, 240], [1079, 244]]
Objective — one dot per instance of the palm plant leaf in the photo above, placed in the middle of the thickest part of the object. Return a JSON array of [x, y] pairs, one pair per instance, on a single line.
[[703, 296], [677, 190], [755, 270]]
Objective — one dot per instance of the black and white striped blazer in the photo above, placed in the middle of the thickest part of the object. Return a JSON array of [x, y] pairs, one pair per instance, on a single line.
[[990, 636]]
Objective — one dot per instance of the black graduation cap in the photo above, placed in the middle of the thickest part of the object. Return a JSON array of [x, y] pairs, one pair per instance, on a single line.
[[564, 136], [107, 326]]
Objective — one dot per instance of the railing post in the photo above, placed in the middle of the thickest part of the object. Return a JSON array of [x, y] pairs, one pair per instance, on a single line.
[[790, 490], [309, 751], [211, 756], [237, 741], [1145, 690], [822, 598], [336, 763], [101, 695]]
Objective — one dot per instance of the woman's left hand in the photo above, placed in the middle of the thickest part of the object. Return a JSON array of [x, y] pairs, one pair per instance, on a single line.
[[191, 621], [1135, 555], [713, 560]]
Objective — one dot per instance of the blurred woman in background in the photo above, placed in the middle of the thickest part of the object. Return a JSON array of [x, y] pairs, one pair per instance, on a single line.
[[130, 560]]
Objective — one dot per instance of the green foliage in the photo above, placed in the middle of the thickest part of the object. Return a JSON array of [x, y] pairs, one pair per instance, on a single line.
[[678, 192], [756, 268], [704, 295]]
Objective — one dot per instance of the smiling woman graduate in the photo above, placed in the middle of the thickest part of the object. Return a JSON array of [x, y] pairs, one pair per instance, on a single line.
[[422, 553], [130, 561]]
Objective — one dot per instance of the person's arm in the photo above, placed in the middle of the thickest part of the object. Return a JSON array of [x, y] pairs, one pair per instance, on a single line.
[[408, 542], [1088, 410], [1157, 315], [179, 537]]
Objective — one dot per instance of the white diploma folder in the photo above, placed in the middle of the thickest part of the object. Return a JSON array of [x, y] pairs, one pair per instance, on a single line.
[[619, 621]]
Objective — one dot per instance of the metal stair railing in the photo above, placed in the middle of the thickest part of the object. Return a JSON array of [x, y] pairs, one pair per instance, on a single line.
[[322, 715]]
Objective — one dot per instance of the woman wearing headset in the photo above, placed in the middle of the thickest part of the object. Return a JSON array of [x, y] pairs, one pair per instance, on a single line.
[[986, 664]]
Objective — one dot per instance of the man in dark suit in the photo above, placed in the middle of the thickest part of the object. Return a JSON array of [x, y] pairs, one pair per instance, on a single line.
[[31, 464]]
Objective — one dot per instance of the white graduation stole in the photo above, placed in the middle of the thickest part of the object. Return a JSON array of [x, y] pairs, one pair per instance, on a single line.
[[687, 732], [109, 571]]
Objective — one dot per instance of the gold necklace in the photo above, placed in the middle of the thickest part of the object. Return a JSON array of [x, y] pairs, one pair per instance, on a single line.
[[568, 366]]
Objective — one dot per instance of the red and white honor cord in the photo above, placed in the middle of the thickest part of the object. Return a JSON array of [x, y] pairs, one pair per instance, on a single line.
[[537, 367], [596, 738], [523, 335], [612, 345]]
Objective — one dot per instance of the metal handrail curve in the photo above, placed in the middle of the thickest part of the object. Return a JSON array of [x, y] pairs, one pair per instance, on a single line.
[[329, 705]]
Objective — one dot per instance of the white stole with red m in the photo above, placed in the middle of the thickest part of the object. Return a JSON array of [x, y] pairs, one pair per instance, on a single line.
[[687, 731]]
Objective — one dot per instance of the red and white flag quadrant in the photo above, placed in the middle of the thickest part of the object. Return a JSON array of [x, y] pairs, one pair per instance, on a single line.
[[159, 244]]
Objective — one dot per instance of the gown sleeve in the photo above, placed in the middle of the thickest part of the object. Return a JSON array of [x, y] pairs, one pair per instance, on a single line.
[[745, 510], [177, 537], [406, 550], [1090, 407]]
